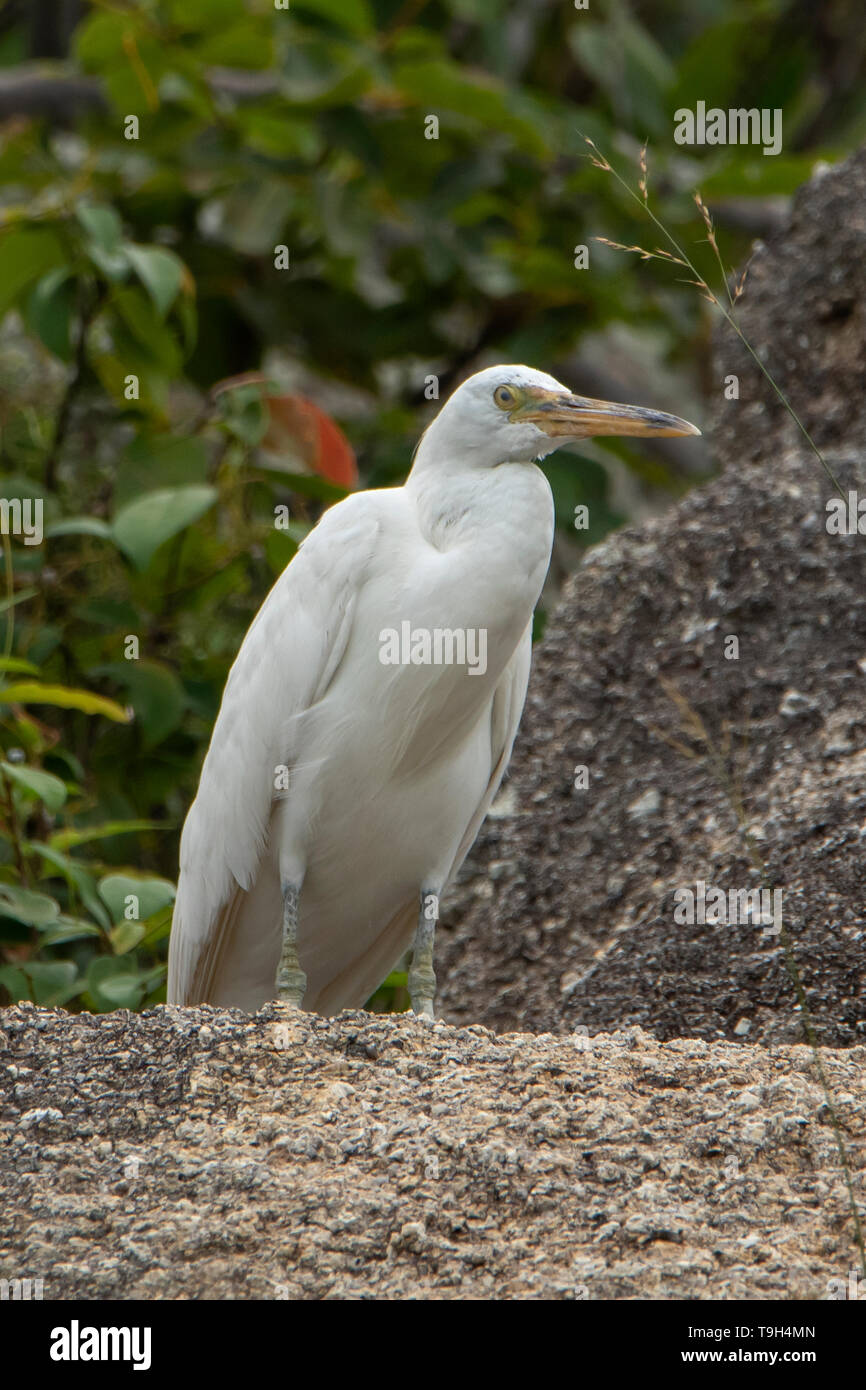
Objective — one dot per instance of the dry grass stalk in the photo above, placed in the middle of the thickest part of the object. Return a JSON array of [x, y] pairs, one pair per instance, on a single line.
[[642, 181], [681, 257]]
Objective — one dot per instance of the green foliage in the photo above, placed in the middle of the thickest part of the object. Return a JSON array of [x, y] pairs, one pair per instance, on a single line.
[[137, 270], [66, 927]]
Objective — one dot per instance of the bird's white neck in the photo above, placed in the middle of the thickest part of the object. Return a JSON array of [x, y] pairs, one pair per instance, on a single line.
[[448, 448], [505, 513]]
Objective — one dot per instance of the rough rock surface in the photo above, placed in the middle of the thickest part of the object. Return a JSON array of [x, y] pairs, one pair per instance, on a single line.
[[202, 1153], [565, 912]]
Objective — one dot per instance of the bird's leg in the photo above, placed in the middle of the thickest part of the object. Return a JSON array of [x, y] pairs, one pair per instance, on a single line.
[[291, 980], [422, 978]]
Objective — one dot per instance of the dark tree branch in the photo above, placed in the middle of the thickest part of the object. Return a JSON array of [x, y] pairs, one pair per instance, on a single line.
[[57, 92], [49, 91], [90, 304]]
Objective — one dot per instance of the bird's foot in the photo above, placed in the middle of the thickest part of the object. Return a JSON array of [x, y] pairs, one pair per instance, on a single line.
[[291, 985], [422, 989]]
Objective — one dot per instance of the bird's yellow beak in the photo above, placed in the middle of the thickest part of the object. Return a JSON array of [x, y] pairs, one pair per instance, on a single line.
[[561, 414]]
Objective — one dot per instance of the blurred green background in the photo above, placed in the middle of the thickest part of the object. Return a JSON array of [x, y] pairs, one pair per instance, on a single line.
[[136, 274]]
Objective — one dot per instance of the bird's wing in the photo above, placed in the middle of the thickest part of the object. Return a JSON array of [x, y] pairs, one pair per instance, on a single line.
[[286, 663], [508, 701], [359, 979]]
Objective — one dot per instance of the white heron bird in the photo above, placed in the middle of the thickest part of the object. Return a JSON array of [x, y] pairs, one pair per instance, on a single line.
[[369, 716]]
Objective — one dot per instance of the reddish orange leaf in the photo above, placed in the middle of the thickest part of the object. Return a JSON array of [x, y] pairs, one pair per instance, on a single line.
[[300, 428], [321, 443]]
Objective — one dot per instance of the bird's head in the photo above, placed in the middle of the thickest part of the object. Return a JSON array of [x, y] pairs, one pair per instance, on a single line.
[[515, 414]]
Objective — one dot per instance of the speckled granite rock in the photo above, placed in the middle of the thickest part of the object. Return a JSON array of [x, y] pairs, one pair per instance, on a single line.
[[564, 915], [206, 1154]]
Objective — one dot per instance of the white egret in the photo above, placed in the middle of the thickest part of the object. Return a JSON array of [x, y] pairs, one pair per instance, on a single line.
[[369, 716]]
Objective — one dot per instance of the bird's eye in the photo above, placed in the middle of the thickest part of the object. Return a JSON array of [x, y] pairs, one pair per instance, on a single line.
[[504, 397]]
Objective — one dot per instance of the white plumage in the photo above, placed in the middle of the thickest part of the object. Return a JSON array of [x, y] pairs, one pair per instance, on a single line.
[[390, 767]]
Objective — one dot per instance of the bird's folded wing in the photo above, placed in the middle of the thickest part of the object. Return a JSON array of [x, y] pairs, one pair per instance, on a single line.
[[287, 660], [508, 701], [357, 981]]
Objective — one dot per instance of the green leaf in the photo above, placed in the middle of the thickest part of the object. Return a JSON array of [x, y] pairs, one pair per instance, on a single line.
[[25, 254], [50, 310], [81, 526], [712, 65], [24, 905], [246, 44], [280, 549], [76, 876], [320, 72], [459, 94], [160, 271], [354, 15], [201, 16], [49, 789], [115, 983], [113, 264], [280, 133], [74, 768], [128, 359], [144, 525], [64, 929], [251, 217], [152, 894], [15, 485], [71, 839], [17, 663], [624, 59], [49, 983], [154, 460], [307, 484], [99, 39], [33, 693], [155, 693], [104, 239], [153, 339], [157, 927], [243, 412], [125, 936]]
